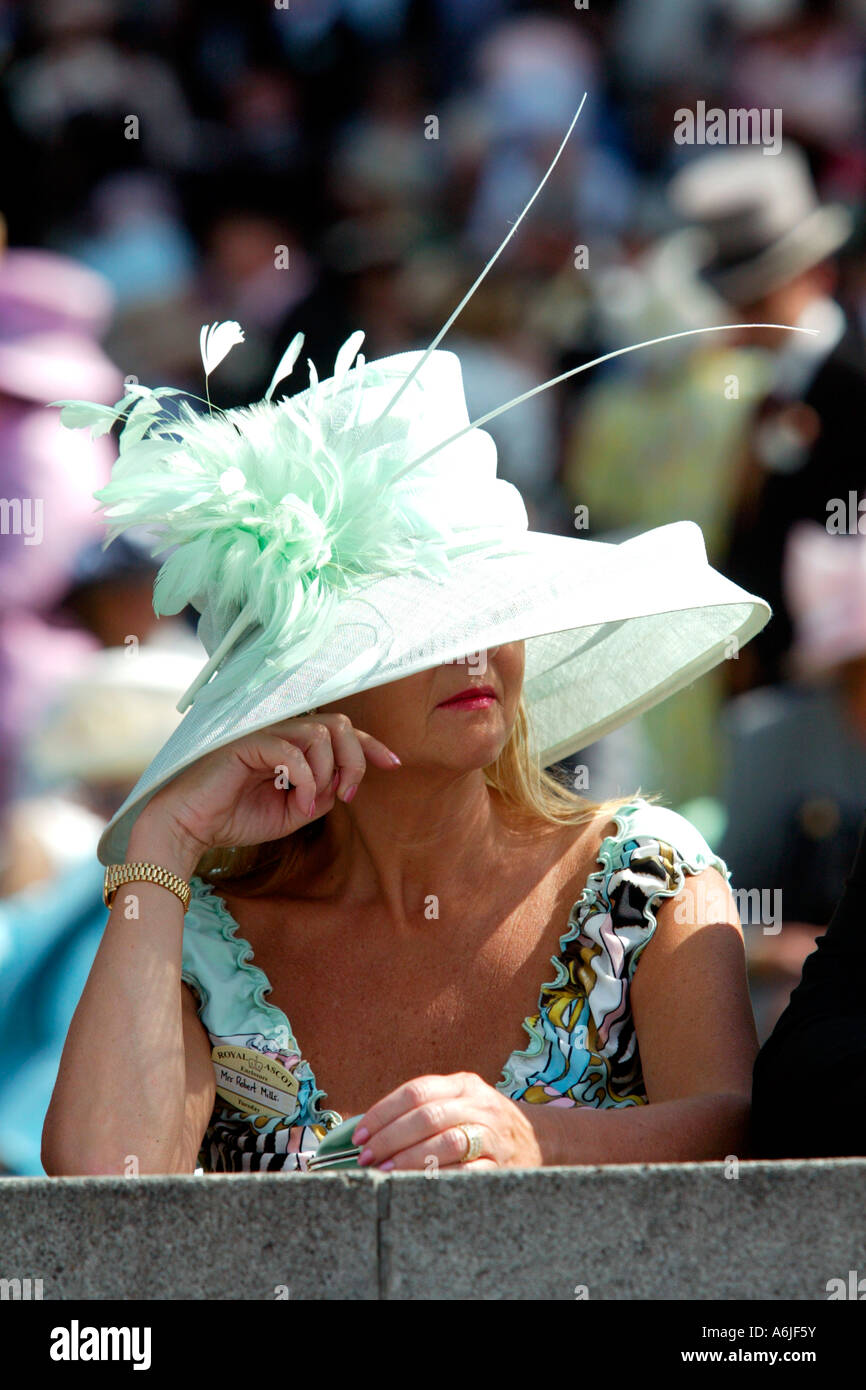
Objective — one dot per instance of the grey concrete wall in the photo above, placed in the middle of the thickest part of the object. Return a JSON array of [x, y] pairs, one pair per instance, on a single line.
[[681, 1231]]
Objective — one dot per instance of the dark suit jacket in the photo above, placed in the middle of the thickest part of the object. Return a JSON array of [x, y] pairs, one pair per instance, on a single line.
[[835, 465], [809, 1081]]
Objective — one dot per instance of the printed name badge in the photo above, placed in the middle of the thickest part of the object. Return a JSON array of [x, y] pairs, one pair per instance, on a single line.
[[253, 1083]]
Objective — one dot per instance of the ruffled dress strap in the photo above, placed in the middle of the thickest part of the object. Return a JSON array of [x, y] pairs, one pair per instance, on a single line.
[[216, 964], [583, 1047], [266, 1113]]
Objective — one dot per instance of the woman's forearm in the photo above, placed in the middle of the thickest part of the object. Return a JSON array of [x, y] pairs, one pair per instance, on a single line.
[[119, 1100], [694, 1129]]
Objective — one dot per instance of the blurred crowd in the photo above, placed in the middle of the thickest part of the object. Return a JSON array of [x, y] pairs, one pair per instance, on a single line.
[[328, 165]]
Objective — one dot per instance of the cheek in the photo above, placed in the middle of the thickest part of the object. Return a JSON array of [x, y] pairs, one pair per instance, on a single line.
[[509, 667], [385, 712], [360, 710]]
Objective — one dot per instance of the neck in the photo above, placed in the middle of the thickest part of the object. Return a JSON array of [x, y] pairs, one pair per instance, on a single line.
[[409, 837]]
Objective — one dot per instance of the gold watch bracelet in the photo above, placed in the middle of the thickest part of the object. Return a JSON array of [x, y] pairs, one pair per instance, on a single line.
[[118, 874]]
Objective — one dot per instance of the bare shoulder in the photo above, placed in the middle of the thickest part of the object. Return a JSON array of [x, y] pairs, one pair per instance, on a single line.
[[704, 896], [582, 846], [705, 899]]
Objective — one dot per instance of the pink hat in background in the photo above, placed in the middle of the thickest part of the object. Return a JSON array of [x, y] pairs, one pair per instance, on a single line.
[[52, 312], [825, 586]]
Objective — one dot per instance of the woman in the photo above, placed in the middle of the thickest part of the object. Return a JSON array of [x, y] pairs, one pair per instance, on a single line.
[[356, 816]]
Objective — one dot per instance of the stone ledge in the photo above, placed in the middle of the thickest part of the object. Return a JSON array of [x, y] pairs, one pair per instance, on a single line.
[[207, 1237], [780, 1230]]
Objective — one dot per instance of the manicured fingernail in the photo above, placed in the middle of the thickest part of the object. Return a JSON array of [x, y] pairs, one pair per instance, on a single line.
[[360, 1135], [312, 810], [366, 1156], [334, 780], [386, 1167], [395, 759], [350, 793]]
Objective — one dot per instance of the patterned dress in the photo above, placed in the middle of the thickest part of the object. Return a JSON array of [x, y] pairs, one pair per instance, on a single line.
[[583, 1048]]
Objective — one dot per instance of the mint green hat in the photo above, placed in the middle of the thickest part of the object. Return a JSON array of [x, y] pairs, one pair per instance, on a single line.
[[356, 533]]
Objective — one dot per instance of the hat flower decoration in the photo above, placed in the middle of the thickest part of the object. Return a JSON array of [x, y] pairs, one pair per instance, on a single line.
[[320, 535], [278, 508]]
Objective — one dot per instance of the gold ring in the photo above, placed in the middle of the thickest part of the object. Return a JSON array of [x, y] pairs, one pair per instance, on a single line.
[[473, 1142]]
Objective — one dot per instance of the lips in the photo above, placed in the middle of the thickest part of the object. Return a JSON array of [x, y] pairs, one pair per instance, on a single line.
[[476, 696]]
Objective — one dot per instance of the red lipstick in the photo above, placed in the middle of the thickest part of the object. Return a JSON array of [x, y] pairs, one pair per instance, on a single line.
[[475, 697]]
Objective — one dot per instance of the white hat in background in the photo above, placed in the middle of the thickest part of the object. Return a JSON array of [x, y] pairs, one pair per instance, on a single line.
[[756, 222]]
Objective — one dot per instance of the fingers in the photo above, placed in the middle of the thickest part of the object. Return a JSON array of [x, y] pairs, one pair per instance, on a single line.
[[431, 1130], [277, 753], [348, 754], [444, 1150], [421, 1091], [317, 749], [330, 742], [379, 754]]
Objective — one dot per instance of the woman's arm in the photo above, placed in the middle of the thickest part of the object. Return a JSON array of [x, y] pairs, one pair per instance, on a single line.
[[135, 1077], [697, 1039], [123, 1101], [694, 1130], [696, 1032]]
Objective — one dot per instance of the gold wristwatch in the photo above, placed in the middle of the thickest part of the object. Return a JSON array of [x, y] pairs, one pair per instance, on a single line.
[[116, 874]]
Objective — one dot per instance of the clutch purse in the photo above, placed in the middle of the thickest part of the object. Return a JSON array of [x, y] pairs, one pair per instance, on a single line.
[[336, 1150]]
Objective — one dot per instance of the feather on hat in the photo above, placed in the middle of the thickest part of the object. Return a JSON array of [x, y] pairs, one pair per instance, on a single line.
[[356, 533]]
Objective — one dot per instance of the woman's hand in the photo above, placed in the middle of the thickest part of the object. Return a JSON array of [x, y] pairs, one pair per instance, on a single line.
[[418, 1122], [266, 785]]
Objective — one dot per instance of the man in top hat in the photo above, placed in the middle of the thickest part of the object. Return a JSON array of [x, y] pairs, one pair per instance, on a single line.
[[766, 246]]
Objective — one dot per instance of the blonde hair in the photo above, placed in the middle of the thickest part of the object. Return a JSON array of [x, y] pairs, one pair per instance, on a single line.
[[527, 789]]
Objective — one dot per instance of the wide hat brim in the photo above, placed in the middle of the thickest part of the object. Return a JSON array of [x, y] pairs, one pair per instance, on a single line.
[[610, 630]]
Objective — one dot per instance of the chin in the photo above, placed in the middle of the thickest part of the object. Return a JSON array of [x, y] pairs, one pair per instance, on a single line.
[[473, 752]]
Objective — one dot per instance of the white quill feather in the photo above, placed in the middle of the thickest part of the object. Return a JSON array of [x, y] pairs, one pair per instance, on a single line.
[[286, 363], [217, 341]]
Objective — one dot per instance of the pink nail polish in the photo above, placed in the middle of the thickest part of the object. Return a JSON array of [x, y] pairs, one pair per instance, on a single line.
[[312, 810], [395, 759], [386, 1167], [360, 1135], [366, 1156], [349, 794]]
